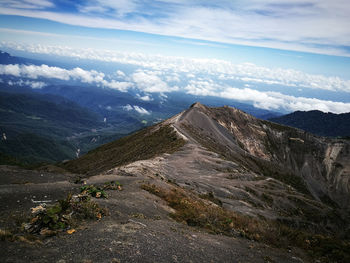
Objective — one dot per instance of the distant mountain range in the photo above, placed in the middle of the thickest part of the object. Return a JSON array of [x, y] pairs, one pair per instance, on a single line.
[[317, 122]]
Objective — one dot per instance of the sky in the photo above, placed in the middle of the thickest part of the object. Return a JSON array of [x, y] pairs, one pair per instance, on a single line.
[[275, 54]]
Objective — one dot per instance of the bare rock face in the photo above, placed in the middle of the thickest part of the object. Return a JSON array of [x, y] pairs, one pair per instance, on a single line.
[[319, 164]]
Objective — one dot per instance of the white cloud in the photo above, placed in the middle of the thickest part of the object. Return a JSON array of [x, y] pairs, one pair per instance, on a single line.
[[27, 4], [118, 85], [138, 109], [163, 68], [148, 81], [120, 73], [144, 98], [13, 70], [156, 72], [45, 71], [141, 110], [266, 100], [31, 84], [173, 77], [127, 107]]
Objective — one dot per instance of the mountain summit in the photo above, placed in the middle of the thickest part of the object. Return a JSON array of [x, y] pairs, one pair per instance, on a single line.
[[228, 152]]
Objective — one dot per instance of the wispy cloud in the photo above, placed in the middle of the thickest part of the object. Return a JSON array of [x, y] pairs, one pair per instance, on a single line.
[[28, 83], [141, 110], [319, 26], [136, 108], [27, 4]]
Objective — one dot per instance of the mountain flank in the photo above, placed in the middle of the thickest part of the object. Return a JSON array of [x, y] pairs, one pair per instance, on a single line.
[[318, 122], [36, 127]]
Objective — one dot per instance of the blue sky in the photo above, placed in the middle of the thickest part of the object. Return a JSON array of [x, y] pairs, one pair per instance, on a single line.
[[287, 37]]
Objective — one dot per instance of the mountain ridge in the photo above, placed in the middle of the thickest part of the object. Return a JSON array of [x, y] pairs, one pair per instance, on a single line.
[[317, 122], [268, 149]]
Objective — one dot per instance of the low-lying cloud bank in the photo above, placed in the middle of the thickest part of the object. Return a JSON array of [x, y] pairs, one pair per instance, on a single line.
[[268, 100], [190, 82], [78, 74], [173, 65]]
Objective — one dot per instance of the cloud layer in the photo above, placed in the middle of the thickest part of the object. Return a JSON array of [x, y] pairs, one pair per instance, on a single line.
[[204, 77], [320, 26], [78, 74], [265, 100], [172, 66]]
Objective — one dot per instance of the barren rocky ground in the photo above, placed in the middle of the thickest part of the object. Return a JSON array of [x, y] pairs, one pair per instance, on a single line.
[[137, 229]]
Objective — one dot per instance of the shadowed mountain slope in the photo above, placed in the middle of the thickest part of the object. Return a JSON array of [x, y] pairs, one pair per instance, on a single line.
[[318, 122], [143, 144]]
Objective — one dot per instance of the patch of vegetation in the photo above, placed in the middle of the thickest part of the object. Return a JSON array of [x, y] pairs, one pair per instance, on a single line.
[[65, 214], [99, 191], [141, 145], [6, 235], [195, 212], [94, 191], [190, 209]]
